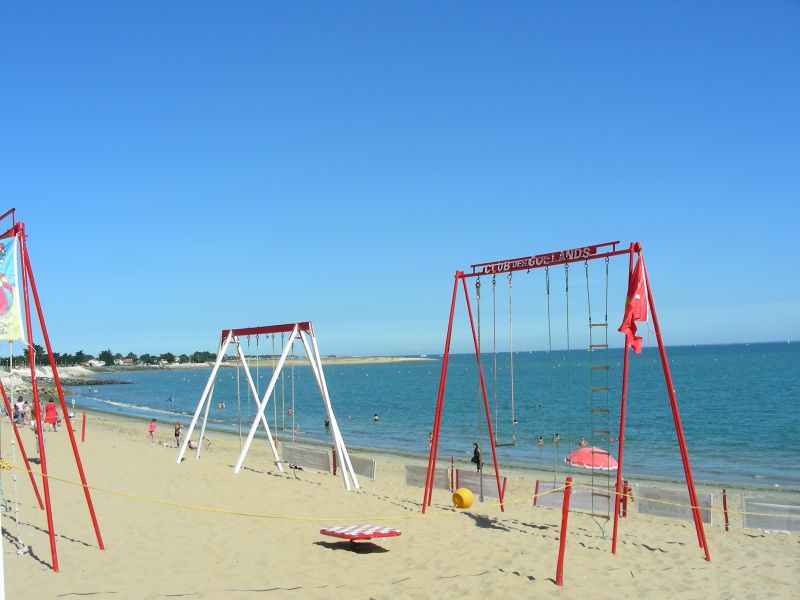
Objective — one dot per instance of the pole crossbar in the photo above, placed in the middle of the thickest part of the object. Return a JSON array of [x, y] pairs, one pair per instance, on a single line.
[[539, 261], [283, 328]]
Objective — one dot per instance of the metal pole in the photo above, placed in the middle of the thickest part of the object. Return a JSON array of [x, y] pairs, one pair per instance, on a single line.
[[37, 420], [426, 500], [83, 427], [677, 419], [621, 441], [563, 537]]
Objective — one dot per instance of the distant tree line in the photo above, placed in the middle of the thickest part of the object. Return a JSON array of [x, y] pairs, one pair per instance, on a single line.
[[110, 358]]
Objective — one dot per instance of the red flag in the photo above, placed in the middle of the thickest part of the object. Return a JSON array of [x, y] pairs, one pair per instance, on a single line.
[[635, 306]]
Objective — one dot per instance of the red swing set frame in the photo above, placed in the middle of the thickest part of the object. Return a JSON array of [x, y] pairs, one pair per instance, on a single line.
[[28, 288], [563, 257]]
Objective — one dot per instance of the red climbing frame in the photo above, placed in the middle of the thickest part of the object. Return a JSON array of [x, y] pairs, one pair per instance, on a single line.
[[537, 261], [28, 288]]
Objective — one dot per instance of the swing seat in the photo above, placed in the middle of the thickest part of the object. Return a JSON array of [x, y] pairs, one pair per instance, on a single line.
[[359, 532]]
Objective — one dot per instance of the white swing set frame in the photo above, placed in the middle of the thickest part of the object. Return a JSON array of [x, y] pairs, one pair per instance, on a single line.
[[302, 331]]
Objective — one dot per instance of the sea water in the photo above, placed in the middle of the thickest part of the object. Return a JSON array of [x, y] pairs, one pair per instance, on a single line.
[[738, 406]]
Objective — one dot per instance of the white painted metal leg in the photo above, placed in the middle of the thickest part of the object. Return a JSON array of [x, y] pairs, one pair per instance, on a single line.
[[315, 368], [344, 457], [252, 387], [205, 419], [263, 406], [204, 396], [260, 411]]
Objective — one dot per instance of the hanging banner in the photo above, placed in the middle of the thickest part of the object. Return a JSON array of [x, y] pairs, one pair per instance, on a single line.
[[10, 314]]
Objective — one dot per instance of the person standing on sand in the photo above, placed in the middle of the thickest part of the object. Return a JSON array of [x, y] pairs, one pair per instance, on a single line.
[[152, 429], [178, 433], [476, 456], [50, 415], [19, 416]]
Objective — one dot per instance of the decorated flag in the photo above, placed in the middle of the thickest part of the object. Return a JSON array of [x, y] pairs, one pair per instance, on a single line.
[[10, 313], [635, 306]]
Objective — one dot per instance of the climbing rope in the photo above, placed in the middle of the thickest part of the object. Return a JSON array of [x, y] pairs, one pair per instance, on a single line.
[[292, 382], [274, 389], [551, 378], [283, 398], [511, 363], [569, 369], [479, 421], [238, 402], [494, 353], [21, 547], [4, 465], [258, 377]]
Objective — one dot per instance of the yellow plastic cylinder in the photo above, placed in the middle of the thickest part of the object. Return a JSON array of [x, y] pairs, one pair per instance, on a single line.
[[462, 498]]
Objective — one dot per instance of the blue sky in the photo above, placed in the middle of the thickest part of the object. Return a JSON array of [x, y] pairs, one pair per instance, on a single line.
[[187, 166]]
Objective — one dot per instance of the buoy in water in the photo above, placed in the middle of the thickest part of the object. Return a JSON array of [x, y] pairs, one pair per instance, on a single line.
[[462, 498]]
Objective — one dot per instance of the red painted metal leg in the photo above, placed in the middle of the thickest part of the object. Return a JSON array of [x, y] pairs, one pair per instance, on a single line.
[[64, 410], [39, 429], [563, 537], [621, 440], [10, 413], [620, 448], [701, 534], [429, 478], [485, 398]]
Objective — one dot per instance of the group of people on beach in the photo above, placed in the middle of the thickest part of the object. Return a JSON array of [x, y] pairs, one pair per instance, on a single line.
[[24, 413], [151, 429]]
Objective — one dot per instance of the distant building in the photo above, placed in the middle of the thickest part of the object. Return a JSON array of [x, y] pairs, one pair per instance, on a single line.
[[95, 363]]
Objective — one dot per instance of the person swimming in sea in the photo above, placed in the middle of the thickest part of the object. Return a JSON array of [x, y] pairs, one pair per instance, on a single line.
[[540, 441]]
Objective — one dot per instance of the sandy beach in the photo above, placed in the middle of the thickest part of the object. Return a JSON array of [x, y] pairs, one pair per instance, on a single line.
[[197, 530]]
